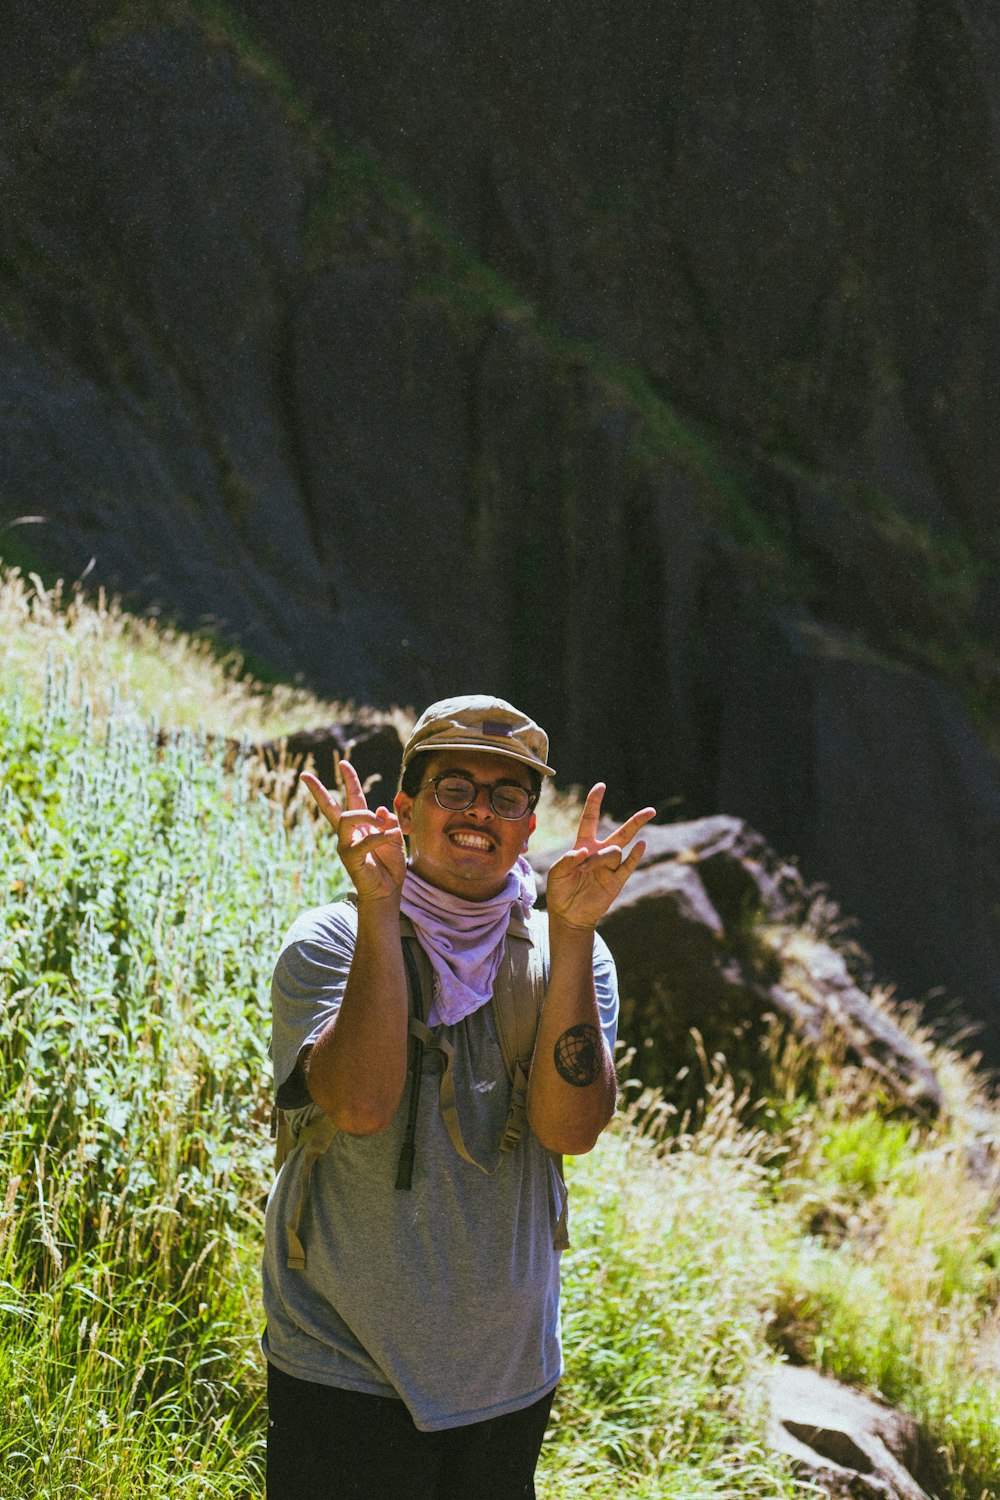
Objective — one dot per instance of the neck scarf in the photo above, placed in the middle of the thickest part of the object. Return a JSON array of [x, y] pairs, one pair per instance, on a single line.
[[464, 940]]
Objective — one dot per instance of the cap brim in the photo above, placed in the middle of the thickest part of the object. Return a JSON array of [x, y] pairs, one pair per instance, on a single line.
[[482, 745]]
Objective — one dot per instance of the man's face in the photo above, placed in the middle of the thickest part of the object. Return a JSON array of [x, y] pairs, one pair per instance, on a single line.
[[468, 853]]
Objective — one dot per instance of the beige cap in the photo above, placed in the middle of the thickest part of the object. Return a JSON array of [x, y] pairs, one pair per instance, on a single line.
[[477, 722]]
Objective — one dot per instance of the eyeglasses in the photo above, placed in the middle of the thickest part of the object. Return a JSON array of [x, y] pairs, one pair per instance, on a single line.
[[456, 793]]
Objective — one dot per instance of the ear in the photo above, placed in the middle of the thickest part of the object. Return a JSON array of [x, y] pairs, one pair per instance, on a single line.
[[403, 808], [532, 824]]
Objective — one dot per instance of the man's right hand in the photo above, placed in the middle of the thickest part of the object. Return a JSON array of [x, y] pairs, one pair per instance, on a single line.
[[370, 844]]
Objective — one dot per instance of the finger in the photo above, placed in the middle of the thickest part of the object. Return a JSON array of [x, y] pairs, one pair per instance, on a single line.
[[587, 832], [627, 832], [357, 825], [627, 868], [375, 840], [569, 861], [614, 869], [327, 804], [631, 864], [393, 832], [394, 839], [354, 791]]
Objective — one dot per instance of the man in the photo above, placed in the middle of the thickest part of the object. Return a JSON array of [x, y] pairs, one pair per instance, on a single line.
[[412, 1307]]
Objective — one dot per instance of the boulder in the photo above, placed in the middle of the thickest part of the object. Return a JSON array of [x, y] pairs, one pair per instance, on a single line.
[[687, 936], [373, 747], [850, 1446]]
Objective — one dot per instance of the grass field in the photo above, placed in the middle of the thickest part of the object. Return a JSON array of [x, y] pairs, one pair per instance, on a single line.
[[145, 887]]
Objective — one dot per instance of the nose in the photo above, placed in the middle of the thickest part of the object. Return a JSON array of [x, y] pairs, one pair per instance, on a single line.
[[481, 807]]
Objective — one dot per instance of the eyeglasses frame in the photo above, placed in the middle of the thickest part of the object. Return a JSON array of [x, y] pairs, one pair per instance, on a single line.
[[481, 786]]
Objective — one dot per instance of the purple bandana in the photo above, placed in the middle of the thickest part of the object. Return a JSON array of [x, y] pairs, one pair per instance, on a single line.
[[464, 940]]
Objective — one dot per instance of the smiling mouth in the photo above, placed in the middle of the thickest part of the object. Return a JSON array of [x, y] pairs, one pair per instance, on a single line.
[[465, 840]]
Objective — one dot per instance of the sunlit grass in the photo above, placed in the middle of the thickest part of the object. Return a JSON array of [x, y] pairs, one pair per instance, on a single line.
[[161, 672], [145, 890], [891, 1277], [668, 1288]]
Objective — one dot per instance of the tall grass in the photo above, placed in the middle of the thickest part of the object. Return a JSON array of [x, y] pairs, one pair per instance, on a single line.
[[668, 1292], [161, 672], [144, 892], [852, 1240], [890, 1278]]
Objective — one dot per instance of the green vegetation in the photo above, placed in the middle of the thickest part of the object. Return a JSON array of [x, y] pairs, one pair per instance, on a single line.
[[144, 890], [146, 881], [667, 1291]]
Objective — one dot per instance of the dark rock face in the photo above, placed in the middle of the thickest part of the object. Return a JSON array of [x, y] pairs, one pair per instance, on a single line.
[[266, 393], [780, 211], [142, 384], [877, 778]]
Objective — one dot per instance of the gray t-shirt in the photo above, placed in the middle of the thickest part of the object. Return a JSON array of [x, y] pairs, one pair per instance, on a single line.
[[446, 1295]]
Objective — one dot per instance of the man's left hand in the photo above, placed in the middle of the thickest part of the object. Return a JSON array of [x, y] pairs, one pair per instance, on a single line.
[[583, 883]]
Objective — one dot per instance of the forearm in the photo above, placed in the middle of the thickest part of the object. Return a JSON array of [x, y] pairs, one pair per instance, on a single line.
[[572, 1087], [356, 1071]]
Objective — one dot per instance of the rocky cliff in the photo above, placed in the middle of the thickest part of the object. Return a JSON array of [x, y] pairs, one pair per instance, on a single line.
[[638, 364]]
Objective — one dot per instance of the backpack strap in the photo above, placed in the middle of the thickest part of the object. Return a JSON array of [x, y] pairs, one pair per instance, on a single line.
[[415, 989], [518, 995], [517, 1002], [315, 1139], [435, 1041]]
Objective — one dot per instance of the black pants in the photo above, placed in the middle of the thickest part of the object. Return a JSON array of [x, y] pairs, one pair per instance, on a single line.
[[324, 1443]]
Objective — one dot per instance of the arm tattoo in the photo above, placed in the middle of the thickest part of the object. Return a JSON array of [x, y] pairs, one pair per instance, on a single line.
[[577, 1055]]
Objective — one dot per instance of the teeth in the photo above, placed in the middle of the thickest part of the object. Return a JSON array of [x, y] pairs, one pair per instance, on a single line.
[[471, 841]]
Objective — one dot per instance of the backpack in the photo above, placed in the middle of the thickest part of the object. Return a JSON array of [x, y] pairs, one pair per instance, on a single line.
[[517, 999]]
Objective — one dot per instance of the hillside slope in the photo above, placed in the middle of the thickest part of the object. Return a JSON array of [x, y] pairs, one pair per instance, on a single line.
[[362, 346], [145, 885]]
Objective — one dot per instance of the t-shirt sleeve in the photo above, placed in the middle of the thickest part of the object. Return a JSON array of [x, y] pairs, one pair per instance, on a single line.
[[606, 988], [309, 982]]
